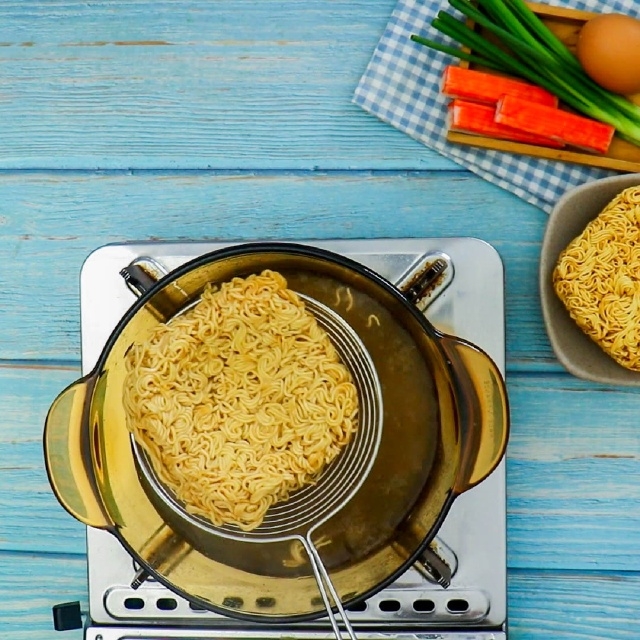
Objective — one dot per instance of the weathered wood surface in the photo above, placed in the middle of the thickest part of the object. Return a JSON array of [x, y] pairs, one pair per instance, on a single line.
[[50, 223], [193, 119], [193, 84]]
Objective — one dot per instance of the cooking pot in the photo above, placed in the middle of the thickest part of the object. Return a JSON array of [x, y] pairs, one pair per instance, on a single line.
[[443, 418]]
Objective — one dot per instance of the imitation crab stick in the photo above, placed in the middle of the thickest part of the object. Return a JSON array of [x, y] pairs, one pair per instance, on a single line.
[[472, 117], [488, 88], [566, 127]]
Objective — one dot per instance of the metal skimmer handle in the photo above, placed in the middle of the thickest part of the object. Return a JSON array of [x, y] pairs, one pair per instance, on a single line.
[[326, 588]]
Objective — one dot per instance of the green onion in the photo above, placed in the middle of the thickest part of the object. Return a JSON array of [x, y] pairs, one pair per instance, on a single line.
[[458, 53], [529, 49]]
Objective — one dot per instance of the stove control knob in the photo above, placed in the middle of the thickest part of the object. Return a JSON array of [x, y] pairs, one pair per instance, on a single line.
[[67, 616]]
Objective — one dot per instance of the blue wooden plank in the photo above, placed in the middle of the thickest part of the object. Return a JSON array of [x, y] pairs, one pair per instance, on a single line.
[[228, 84], [30, 517], [564, 606], [30, 585], [573, 464], [573, 606], [574, 514], [49, 223], [573, 495], [599, 421]]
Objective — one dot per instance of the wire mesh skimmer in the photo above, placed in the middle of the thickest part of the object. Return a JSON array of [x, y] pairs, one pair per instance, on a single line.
[[309, 508]]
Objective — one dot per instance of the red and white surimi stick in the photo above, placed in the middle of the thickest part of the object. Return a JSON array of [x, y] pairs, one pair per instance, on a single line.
[[478, 119], [563, 126], [488, 88]]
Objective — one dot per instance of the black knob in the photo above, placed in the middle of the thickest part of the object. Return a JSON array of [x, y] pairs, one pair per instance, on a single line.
[[67, 616]]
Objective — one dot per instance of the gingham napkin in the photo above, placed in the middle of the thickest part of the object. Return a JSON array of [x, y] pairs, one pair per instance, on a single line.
[[401, 86]]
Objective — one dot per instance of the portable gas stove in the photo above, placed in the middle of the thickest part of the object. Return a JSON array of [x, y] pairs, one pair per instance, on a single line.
[[457, 592]]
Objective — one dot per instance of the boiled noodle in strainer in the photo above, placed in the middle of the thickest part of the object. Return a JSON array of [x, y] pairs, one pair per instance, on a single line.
[[297, 518]]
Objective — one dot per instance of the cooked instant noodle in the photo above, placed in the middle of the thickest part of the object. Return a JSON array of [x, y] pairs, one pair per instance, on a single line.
[[598, 279], [240, 401]]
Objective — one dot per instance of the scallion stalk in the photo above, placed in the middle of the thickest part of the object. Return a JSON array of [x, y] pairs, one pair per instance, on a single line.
[[458, 53], [540, 30]]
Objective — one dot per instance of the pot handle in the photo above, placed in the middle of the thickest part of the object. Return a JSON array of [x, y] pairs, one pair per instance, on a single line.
[[484, 411], [68, 456]]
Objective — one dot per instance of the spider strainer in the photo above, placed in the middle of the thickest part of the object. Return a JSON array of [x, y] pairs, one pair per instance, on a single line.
[[301, 515]]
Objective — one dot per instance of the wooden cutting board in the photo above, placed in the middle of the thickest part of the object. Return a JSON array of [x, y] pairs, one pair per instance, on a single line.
[[621, 156]]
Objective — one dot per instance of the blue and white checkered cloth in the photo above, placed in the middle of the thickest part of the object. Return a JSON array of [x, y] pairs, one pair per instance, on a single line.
[[401, 86]]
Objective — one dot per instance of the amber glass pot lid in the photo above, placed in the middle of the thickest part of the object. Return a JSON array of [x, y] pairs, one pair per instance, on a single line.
[[444, 428]]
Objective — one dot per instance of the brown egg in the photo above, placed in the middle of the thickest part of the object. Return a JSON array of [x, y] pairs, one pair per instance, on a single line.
[[609, 51]]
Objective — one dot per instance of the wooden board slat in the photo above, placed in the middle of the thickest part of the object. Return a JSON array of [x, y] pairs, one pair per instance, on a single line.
[[572, 483], [50, 222], [31, 585], [574, 606], [196, 84], [31, 519]]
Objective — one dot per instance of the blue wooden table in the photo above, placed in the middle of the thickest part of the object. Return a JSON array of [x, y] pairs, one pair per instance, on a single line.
[[138, 120]]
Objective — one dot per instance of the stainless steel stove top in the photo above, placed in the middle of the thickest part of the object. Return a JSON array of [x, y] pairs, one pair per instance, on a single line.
[[472, 540]]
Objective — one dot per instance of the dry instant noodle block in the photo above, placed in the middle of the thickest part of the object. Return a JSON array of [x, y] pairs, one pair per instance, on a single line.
[[597, 277]]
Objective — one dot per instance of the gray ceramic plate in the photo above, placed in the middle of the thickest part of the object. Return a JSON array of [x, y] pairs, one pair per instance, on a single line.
[[578, 353]]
